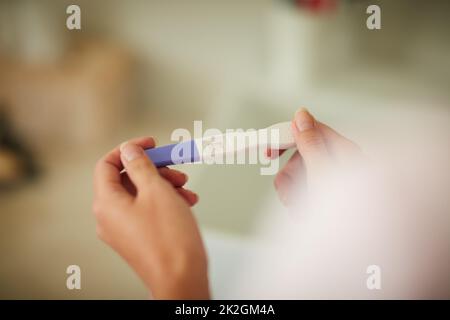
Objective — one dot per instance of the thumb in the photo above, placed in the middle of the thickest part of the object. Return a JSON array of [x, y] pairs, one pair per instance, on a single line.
[[309, 140], [139, 167]]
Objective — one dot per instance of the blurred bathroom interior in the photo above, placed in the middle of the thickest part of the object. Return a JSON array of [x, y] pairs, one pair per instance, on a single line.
[[140, 68]]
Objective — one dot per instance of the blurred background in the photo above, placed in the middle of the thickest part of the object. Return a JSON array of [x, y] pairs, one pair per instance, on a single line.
[[148, 67]]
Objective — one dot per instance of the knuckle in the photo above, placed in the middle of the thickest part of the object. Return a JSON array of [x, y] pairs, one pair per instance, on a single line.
[[98, 164], [140, 164], [154, 185], [101, 211], [97, 208], [312, 139]]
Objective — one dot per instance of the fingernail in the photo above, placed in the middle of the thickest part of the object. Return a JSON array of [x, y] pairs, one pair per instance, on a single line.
[[130, 151], [303, 120]]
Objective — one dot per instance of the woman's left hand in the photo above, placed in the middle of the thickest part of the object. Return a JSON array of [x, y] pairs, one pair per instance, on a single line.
[[145, 216]]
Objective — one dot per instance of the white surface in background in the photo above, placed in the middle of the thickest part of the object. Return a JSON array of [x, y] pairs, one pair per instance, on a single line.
[[393, 212]]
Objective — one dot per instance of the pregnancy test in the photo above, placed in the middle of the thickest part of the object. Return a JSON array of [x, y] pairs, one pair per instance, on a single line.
[[190, 151]]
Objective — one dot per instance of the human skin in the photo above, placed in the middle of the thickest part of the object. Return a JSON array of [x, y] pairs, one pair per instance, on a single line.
[[145, 216], [320, 149]]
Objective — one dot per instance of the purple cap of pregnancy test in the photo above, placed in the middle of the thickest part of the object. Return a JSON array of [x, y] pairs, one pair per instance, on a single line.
[[177, 153]]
